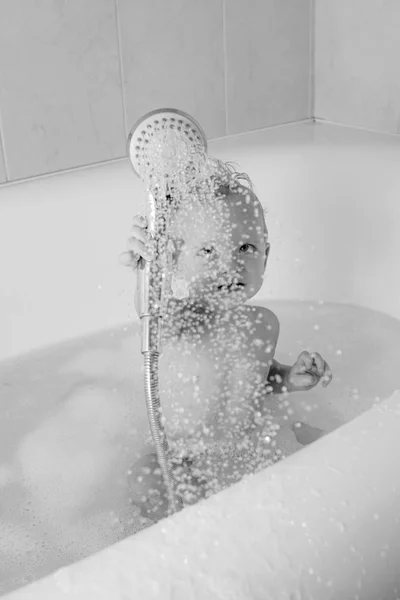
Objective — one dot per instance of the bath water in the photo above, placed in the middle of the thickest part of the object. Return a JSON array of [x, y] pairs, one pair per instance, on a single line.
[[74, 421]]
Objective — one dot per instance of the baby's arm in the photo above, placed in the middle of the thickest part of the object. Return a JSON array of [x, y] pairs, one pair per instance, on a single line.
[[303, 375], [278, 378], [278, 374]]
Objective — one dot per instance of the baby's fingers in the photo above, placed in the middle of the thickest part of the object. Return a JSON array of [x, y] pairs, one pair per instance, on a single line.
[[327, 376], [318, 363], [129, 259], [322, 368], [140, 233], [138, 250], [139, 221], [141, 246], [304, 362]]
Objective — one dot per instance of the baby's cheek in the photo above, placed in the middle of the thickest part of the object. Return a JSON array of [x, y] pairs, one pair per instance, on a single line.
[[185, 266], [195, 270], [192, 272]]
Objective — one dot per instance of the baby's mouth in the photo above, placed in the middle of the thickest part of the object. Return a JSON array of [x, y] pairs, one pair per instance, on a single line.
[[232, 287]]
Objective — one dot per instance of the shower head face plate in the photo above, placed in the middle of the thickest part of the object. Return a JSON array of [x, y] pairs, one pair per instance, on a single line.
[[163, 141]]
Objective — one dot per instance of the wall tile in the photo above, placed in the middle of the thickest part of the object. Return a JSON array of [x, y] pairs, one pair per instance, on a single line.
[[172, 56], [268, 62], [357, 73], [60, 92]]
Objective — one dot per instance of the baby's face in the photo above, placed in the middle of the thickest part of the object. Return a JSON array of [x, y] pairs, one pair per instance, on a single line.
[[222, 249]]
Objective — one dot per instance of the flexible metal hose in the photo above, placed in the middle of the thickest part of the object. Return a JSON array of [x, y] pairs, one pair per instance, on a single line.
[[159, 437], [152, 301]]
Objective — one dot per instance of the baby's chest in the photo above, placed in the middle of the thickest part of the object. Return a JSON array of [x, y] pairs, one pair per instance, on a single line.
[[189, 371], [207, 368]]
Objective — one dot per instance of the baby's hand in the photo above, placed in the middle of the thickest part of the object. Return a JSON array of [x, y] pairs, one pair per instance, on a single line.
[[139, 243], [308, 370]]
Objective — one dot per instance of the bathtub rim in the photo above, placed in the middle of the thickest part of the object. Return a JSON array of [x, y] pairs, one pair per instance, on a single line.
[[292, 482]]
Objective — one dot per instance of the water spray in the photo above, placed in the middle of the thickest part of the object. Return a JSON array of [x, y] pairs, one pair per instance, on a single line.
[[167, 148]]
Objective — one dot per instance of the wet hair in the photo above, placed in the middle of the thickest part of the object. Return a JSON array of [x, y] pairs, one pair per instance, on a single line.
[[227, 177], [227, 180]]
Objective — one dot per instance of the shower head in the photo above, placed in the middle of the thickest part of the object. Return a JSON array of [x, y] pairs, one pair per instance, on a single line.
[[163, 141]]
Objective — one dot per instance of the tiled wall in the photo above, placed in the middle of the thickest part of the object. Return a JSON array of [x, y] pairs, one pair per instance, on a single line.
[[357, 63], [76, 74]]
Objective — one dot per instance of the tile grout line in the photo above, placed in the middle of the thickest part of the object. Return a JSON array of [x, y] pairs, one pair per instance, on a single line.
[[321, 120], [260, 129], [121, 68], [224, 41], [312, 60], [325, 121], [121, 158], [100, 163], [3, 150]]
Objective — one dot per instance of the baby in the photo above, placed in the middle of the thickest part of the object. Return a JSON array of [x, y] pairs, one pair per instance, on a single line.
[[217, 365]]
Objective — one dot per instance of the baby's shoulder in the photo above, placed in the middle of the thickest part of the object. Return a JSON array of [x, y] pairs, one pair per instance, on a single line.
[[264, 319]]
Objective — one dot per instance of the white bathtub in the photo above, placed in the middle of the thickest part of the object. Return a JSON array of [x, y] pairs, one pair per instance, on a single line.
[[322, 523]]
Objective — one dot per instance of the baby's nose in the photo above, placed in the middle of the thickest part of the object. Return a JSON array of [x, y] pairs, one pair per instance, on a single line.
[[235, 274], [231, 267], [237, 263]]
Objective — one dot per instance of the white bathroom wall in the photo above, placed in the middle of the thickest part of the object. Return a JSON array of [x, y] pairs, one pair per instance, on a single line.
[[60, 237], [76, 74], [268, 62], [60, 87], [357, 74]]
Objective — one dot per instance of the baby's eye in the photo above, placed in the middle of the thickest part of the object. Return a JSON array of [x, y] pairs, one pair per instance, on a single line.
[[206, 251], [247, 248]]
